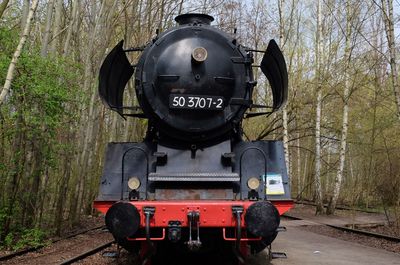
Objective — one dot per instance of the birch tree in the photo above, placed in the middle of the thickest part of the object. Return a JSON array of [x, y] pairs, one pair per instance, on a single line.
[[346, 96], [284, 110], [11, 69], [318, 78], [3, 7], [58, 5], [72, 27], [387, 15], [46, 35]]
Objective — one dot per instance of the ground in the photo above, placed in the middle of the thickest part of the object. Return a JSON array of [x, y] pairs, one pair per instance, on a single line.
[[304, 247]]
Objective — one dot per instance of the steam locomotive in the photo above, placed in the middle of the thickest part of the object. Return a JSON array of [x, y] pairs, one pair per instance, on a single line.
[[193, 186]]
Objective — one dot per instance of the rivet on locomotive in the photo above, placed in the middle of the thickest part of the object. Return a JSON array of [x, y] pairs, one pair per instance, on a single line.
[[193, 184]]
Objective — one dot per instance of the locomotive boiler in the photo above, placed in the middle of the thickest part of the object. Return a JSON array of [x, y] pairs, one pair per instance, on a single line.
[[193, 186]]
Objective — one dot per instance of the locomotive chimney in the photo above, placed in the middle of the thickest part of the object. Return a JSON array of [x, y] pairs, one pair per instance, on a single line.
[[192, 18]]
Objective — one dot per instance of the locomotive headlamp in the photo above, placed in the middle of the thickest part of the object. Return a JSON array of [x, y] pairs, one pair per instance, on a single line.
[[134, 183], [199, 54], [253, 183]]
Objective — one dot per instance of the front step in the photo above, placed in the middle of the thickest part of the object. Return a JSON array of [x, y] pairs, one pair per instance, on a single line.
[[278, 255], [281, 229], [188, 177]]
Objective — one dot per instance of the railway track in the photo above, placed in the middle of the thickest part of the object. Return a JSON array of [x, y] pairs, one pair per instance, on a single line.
[[352, 230], [338, 207], [33, 249], [87, 253]]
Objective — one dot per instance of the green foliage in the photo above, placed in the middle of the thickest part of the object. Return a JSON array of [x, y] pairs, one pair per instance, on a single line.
[[26, 238], [30, 238], [44, 92], [8, 241], [40, 111], [3, 215]]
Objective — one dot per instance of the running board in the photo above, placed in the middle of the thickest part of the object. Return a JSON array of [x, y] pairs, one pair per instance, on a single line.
[[281, 229], [189, 177], [278, 255]]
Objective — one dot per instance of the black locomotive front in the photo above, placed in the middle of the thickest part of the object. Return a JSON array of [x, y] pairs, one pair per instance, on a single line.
[[194, 82], [193, 174]]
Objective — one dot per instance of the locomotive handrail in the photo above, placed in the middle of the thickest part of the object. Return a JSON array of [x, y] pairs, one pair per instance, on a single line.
[[123, 171], [151, 238], [226, 238], [241, 157]]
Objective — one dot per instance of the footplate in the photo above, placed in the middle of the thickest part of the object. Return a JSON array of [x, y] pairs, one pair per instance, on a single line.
[[278, 255]]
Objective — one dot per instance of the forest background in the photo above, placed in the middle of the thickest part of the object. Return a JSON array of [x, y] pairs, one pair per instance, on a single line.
[[340, 127]]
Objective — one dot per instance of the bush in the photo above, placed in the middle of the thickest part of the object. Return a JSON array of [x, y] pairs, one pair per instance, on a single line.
[[29, 238]]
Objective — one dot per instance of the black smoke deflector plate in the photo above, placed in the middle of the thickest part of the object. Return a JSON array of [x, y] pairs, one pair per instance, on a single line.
[[273, 66], [115, 72]]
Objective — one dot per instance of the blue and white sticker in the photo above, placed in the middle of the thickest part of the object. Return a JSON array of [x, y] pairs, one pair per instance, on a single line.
[[274, 184]]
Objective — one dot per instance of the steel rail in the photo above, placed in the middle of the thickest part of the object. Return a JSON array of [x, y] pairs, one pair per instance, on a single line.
[[351, 230], [366, 233], [32, 249], [87, 253], [338, 207]]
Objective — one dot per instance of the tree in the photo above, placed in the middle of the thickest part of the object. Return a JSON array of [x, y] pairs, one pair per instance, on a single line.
[[346, 97], [318, 78], [17, 53], [387, 15], [3, 7]]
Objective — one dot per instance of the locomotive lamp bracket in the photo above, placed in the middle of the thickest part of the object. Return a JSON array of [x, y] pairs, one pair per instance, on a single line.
[[174, 231], [193, 149], [253, 195], [162, 158], [227, 159], [133, 195]]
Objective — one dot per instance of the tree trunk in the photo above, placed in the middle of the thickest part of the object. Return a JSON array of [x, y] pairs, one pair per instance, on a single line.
[[299, 183], [56, 26], [3, 7], [345, 125], [73, 26], [387, 10], [317, 175], [16, 170], [46, 35], [25, 12], [100, 27], [284, 111], [17, 53], [33, 199]]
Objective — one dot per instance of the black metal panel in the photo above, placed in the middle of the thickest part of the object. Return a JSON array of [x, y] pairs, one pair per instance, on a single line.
[[122, 161], [273, 65], [114, 74], [206, 160], [251, 162], [252, 165]]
